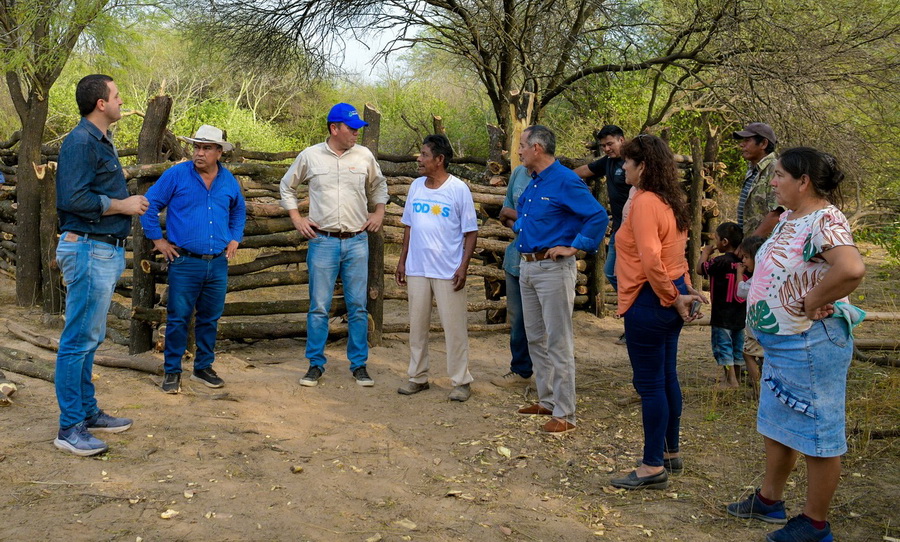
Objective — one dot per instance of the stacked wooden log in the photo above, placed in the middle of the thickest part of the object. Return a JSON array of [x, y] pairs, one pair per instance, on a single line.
[[273, 253]]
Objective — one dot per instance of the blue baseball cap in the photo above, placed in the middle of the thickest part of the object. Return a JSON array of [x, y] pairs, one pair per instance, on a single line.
[[347, 114]]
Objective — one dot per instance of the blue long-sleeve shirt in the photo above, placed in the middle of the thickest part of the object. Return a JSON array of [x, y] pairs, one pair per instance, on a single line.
[[199, 220], [89, 175], [557, 209]]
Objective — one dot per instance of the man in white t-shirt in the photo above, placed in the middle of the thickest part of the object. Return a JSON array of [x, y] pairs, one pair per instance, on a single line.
[[438, 242]]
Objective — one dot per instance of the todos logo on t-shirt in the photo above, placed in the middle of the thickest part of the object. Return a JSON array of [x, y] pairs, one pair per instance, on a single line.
[[428, 208]]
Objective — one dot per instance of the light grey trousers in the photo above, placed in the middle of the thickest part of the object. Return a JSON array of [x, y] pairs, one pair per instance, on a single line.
[[548, 296]]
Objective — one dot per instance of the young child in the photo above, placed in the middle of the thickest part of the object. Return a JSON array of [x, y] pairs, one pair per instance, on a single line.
[[753, 352], [729, 312]]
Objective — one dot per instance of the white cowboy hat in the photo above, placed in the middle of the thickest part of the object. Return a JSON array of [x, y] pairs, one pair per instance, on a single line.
[[210, 134]]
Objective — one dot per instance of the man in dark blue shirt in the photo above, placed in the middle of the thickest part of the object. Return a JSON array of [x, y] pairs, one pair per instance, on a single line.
[[204, 225], [556, 216], [611, 139], [95, 212]]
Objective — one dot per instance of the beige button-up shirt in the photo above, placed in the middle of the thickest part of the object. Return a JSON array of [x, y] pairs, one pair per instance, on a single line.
[[341, 188]]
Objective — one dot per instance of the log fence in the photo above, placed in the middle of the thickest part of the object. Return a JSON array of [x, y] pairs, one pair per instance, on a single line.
[[267, 282]]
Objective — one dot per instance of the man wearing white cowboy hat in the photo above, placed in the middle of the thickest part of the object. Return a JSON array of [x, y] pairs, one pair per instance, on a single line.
[[344, 182], [204, 225]]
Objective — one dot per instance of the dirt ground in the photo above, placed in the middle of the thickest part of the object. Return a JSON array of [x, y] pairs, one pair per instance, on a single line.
[[266, 459]]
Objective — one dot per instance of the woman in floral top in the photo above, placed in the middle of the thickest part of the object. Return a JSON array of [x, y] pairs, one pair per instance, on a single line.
[[798, 310]]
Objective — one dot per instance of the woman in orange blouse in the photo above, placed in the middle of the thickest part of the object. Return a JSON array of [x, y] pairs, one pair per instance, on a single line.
[[655, 298]]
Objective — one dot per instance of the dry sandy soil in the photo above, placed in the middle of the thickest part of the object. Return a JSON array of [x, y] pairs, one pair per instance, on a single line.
[[375, 465]]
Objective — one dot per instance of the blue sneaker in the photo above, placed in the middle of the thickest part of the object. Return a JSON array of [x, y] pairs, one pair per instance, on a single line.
[[79, 441], [801, 529], [754, 508], [104, 423]]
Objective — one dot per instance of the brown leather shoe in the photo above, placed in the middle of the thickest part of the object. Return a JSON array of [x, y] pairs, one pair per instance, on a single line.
[[558, 426], [535, 409]]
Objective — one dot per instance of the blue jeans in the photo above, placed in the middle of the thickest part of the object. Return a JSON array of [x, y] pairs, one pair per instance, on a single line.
[[90, 270], [609, 268], [651, 335], [727, 345], [518, 341], [326, 258], [194, 284]]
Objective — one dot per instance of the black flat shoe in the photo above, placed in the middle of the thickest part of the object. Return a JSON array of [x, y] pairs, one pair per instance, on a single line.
[[633, 481], [674, 465]]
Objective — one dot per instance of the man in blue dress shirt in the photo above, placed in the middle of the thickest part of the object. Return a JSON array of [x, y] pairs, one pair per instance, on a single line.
[[204, 225], [95, 211], [557, 216]]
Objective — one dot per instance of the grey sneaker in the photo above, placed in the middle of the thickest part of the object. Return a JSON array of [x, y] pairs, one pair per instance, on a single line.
[[104, 423], [78, 440], [512, 380], [208, 377], [312, 376], [171, 383], [461, 393], [409, 388], [362, 377]]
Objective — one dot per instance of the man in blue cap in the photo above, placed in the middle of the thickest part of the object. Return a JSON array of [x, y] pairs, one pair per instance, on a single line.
[[347, 195]]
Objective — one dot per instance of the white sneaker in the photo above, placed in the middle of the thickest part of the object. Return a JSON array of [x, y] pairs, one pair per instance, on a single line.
[[512, 380]]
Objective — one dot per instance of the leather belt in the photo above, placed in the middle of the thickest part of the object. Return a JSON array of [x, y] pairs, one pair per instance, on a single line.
[[534, 256], [338, 234], [102, 237], [189, 254]]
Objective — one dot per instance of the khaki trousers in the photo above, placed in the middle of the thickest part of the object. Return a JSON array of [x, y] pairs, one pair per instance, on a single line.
[[453, 314]]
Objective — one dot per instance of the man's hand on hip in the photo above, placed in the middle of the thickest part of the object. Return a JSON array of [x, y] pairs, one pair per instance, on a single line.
[[166, 248], [305, 226], [556, 253]]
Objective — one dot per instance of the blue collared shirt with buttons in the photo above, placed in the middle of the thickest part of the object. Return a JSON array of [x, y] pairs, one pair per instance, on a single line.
[[89, 175], [558, 209], [199, 220]]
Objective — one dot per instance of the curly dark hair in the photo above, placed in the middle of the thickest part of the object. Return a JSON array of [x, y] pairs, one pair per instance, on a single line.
[[660, 174]]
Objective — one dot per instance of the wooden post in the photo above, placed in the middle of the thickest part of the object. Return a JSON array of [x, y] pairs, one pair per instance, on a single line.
[[711, 155], [521, 105], [375, 303], [695, 235], [143, 295], [597, 262], [50, 275], [437, 123]]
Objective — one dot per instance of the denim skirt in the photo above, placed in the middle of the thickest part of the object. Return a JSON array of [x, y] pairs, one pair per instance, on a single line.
[[804, 387]]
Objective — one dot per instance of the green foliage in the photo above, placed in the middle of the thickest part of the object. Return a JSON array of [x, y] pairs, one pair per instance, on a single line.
[[886, 235], [239, 124]]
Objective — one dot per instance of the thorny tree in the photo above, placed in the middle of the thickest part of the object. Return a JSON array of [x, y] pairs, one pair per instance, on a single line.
[[691, 49]]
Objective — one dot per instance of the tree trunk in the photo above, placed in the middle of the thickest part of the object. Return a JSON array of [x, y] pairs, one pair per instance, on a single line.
[[521, 108], [143, 292], [28, 194]]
